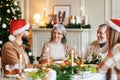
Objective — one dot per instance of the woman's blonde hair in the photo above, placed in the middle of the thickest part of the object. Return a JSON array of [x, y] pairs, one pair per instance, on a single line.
[[114, 37]]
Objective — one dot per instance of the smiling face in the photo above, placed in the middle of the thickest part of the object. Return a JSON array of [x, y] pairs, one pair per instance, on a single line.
[[57, 35], [101, 35]]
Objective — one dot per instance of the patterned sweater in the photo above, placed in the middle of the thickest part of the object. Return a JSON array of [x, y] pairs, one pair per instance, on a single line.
[[112, 61]]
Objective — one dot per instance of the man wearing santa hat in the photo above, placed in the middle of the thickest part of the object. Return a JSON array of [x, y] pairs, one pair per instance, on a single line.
[[13, 49], [112, 61]]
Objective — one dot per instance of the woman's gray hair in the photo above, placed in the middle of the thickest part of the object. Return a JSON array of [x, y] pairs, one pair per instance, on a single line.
[[61, 29]]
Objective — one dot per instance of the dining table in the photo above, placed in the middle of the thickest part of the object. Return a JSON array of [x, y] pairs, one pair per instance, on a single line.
[[91, 76]]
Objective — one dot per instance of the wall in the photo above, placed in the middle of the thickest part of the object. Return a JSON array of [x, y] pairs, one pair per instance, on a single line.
[[97, 10], [36, 6], [75, 5], [116, 9]]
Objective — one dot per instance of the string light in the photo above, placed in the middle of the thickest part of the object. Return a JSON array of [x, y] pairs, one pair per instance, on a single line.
[[0, 18], [7, 19], [0, 6], [1, 2], [15, 3], [7, 4], [8, 10]]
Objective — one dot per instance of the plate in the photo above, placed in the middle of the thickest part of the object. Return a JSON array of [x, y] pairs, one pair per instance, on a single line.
[[14, 76], [59, 62], [30, 69], [84, 73]]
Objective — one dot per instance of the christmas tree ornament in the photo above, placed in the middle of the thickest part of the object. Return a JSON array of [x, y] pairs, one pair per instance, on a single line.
[[4, 25], [8, 11], [30, 53], [15, 3], [0, 42], [1, 1], [10, 4], [7, 4], [18, 9], [0, 18], [7, 19], [15, 18]]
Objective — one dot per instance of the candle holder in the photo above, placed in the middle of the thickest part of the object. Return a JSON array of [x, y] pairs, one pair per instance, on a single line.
[[82, 65], [84, 20]]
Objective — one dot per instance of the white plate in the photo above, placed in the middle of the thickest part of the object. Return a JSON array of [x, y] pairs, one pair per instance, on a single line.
[[30, 69], [14, 76], [84, 73], [58, 62]]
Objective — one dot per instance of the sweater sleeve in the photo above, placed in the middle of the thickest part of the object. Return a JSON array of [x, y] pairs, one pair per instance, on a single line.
[[106, 64], [44, 53], [116, 51], [9, 55], [112, 60]]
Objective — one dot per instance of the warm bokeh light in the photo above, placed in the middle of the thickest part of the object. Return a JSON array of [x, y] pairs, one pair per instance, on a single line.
[[37, 18]]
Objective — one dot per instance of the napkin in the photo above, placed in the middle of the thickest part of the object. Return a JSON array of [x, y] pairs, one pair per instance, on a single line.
[[51, 75]]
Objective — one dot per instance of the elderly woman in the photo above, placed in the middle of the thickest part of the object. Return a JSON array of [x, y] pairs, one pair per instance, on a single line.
[[57, 47]]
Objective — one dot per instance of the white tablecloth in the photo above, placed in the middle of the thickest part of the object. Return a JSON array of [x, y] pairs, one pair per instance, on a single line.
[[91, 76], [52, 76]]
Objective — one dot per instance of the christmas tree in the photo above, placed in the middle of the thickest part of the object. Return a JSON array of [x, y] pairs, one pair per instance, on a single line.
[[9, 10]]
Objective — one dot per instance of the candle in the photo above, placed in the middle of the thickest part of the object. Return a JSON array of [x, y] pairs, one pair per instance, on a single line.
[[75, 51], [86, 20], [77, 20], [20, 69], [72, 57], [72, 20], [48, 56], [44, 12], [82, 8], [82, 56]]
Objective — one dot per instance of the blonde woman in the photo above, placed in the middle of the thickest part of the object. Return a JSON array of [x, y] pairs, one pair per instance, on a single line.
[[112, 61]]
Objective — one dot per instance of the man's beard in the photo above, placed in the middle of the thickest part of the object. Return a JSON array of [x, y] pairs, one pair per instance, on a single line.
[[102, 41], [25, 39]]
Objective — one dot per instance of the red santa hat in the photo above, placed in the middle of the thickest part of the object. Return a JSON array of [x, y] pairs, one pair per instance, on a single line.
[[16, 27], [114, 24]]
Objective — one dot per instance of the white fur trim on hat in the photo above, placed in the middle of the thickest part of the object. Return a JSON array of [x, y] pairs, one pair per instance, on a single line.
[[21, 29], [11, 37], [113, 25]]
